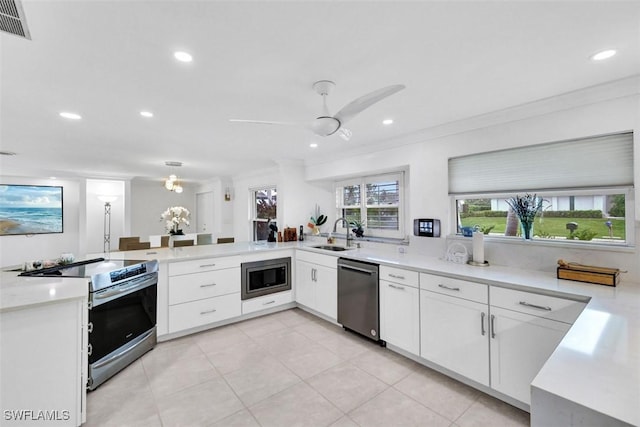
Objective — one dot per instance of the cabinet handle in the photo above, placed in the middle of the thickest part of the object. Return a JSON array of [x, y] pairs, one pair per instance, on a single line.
[[209, 285], [493, 326], [207, 265], [482, 331], [400, 288], [395, 276], [539, 307], [208, 311], [447, 287], [313, 274], [89, 349], [90, 327], [269, 302]]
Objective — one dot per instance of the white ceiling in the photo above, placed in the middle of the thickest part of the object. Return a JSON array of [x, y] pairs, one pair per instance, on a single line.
[[107, 60]]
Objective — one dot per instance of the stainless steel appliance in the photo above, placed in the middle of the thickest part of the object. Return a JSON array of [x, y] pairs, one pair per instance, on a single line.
[[122, 311], [265, 277], [358, 298]]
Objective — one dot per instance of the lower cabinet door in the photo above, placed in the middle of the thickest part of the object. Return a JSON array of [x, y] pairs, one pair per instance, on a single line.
[[201, 312], [326, 291], [520, 345], [400, 316], [454, 334], [305, 284]]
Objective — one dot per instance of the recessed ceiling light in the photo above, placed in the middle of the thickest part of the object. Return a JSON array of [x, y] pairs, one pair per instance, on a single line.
[[387, 121], [53, 177], [146, 113], [72, 116], [183, 56], [313, 145], [605, 54]]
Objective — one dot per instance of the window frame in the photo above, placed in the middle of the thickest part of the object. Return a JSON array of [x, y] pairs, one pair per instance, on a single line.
[[628, 192], [362, 181], [253, 210]]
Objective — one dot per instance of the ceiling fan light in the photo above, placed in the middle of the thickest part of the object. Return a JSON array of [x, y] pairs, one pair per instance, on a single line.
[[178, 188], [168, 185], [172, 177], [325, 126]]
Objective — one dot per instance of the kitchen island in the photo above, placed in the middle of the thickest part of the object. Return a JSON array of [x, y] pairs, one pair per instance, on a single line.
[[43, 350], [592, 377]]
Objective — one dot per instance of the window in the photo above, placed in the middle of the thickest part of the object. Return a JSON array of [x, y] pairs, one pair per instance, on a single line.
[[375, 202], [596, 217], [586, 185], [264, 207]]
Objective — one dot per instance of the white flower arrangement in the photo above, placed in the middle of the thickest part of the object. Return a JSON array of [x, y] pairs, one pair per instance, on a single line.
[[174, 217]]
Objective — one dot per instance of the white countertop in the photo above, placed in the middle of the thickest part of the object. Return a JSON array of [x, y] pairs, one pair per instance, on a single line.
[[19, 292], [596, 365]]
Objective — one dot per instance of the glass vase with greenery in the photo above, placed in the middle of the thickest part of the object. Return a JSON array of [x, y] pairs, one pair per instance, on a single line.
[[526, 208]]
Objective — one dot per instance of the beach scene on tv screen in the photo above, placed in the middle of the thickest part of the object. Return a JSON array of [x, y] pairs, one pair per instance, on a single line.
[[26, 209]]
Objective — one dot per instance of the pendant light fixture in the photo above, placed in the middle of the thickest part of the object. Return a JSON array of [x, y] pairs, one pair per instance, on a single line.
[[172, 183]]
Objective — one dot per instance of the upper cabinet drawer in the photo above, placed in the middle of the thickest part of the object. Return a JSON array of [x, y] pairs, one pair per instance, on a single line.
[[471, 291], [319, 259], [560, 309], [191, 287], [199, 265], [398, 275]]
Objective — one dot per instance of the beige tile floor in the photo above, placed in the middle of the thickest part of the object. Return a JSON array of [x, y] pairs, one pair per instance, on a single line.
[[287, 369]]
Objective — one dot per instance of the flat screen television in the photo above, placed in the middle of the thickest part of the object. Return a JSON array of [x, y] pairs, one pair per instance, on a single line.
[[30, 209]]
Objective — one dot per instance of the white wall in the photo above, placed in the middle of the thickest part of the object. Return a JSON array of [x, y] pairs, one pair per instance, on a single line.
[[149, 199], [222, 221], [428, 190], [95, 213], [15, 250], [296, 198]]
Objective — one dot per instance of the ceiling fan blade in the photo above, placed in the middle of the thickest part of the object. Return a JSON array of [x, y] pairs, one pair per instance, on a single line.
[[267, 122], [366, 101]]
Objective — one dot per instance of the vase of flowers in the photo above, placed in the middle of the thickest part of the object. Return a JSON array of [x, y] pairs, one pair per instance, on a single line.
[[174, 217], [526, 208]]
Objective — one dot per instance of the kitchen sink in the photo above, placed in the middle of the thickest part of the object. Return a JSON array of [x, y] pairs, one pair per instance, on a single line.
[[331, 248]]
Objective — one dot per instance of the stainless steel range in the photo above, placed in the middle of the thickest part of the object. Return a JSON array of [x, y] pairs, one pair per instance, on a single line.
[[122, 311]]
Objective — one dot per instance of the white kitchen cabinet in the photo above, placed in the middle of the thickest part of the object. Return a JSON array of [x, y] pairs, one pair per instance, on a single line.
[[316, 283], [454, 334], [524, 331], [400, 309], [203, 292], [454, 324], [43, 362]]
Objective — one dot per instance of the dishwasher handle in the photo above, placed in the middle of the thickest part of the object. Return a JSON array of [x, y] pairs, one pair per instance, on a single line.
[[361, 270]]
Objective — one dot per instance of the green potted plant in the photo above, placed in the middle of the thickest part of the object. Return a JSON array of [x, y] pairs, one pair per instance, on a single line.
[[357, 225], [316, 221]]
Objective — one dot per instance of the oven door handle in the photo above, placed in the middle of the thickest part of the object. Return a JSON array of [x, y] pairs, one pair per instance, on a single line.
[[123, 352], [139, 284]]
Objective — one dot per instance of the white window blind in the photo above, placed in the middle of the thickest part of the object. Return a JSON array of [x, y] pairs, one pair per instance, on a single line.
[[602, 161]]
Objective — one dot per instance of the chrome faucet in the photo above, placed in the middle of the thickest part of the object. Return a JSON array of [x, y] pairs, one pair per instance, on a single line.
[[349, 236]]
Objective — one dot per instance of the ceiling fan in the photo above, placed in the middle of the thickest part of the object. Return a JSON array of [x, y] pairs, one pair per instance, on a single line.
[[326, 124]]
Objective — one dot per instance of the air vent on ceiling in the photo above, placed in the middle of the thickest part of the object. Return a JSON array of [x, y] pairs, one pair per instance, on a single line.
[[12, 19]]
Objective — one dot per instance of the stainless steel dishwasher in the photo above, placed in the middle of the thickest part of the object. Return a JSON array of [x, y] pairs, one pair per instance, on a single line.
[[358, 298]]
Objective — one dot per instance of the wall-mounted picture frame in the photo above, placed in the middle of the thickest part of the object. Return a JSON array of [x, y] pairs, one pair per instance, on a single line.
[[30, 209]]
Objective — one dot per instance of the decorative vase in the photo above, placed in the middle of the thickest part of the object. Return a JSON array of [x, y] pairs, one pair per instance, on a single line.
[[526, 229]]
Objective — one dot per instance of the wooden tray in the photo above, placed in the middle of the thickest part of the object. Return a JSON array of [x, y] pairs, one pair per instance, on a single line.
[[597, 275]]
